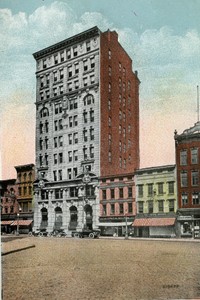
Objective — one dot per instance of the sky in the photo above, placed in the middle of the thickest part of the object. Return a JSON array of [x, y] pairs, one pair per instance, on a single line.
[[161, 37]]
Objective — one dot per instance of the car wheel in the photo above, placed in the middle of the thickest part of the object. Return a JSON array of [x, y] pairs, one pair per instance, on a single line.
[[91, 235], [76, 235], [40, 234]]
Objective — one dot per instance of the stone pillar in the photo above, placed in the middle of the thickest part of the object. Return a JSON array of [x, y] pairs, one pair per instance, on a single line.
[[36, 211], [51, 213]]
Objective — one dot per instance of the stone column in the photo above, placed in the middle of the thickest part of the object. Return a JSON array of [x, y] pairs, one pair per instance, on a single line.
[[36, 211], [51, 213]]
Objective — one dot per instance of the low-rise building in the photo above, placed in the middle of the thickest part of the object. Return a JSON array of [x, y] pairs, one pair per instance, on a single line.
[[156, 202]]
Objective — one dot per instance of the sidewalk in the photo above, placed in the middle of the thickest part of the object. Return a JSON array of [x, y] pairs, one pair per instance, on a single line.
[[16, 245], [190, 240]]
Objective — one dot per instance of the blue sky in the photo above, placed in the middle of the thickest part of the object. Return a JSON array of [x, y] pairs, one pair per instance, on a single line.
[[162, 38]]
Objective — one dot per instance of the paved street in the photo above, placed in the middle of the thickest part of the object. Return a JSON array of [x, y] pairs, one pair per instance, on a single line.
[[60, 268]]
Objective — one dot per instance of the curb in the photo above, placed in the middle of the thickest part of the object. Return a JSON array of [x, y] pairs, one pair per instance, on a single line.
[[17, 250]]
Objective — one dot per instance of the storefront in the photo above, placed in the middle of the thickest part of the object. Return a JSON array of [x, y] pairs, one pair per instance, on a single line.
[[189, 226], [115, 228], [155, 227]]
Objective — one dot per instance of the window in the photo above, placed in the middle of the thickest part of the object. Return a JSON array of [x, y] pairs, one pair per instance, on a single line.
[[183, 157], [73, 191], [60, 139], [85, 153], [70, 86], [76, 83], [121, 208], [85, 65], [47, 79], [195, 198], [55, 76], [140, 207], [55, 92], [171, 205], [44, 62], [41, 81], [109, 121], [41, 144], [194, 156], [150, 207], [91, 115], [47, 126], [25, 190], [140, 190], [120, 162], [171, 187], [109, 54], [75, 51], [130, 207], [109, 105], [160, 188], [104, 209], [91, 151], [88, 100], [92, 80], [129, 85], [41, 160], [55, 175], [76, 138], [120, 146], [76, 68], [58, 108], [92, 63], [184, 180], [109, 71], [60, 158], [195, 177], [62, 57], [124, 71], [112, 193], [112, 209], [88, 47], [75, 120], [56, 59], [47, 94], [55, 142], [55, 156], [150, 189], [160, 206], [109, 156], [60, 124], [120, 67], [104, 194], [70, 71], [124, 132], [184, 199], [69, 173], [85, 81], [120, 83], [70, 139], [75, 154], [85, 135], [130, 192], [129, 128], [109, 87], [121, 192], [41, 96], [109, 139], [69, 53], [61, 89], [120, 114], [56, 125], [75, 172], [58, 194], [120, 129], [59, 174], [91, 133]]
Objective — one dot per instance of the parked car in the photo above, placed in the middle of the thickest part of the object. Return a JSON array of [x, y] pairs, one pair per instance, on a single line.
[[92, 234], [38, 232], [58, 233]]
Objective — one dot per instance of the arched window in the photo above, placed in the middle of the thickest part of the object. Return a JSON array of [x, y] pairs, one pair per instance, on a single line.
[[30, 176], [73, 217], [58, 217], [89, 99], [44, 112], [25, 176]]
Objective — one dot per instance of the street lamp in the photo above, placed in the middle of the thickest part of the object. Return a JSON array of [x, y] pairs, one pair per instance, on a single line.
[[126, 233], [18, 221]]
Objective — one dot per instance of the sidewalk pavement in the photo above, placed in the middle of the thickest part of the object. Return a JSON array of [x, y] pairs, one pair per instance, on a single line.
[[16, 245], [24, 243]]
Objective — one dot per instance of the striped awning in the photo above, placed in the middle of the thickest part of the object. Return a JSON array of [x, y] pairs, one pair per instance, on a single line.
[[114, 224], [5, 222], [22, 222], [153, 222]]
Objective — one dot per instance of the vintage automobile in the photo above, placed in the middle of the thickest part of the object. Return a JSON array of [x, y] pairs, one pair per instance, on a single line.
[[92, 234], [58, 233], [38, 232]]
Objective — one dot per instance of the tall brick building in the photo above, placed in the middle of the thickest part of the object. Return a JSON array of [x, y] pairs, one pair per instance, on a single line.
[[187, 145], [87, 127]]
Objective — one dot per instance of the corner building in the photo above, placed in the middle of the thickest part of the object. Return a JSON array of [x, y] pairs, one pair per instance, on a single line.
[[187, 146], [87, 127]]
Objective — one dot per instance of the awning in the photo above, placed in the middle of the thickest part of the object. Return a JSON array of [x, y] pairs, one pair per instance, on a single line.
[[4, 222], [114, 224], [148, 222], [22, 223]]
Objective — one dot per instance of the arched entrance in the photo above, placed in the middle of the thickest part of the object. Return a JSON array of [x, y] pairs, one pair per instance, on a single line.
[[58, 218], [88, 217], [73, 218], [44, 220]]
